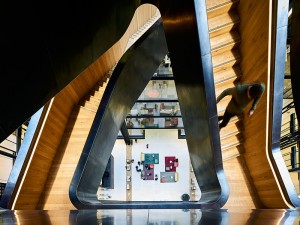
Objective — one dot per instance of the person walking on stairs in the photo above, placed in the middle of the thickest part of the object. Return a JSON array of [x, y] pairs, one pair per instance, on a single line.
[[242, 94]]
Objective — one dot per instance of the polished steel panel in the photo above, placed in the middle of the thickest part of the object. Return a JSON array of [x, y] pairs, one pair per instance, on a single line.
[[186, 28], [280, 21], [295, 55]]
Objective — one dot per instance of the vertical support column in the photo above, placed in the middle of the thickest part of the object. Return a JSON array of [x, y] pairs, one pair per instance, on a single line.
[[293, 157], [125, 133], [129, 216], [129, 172], [18, 139], [292, 123], [192, 184]]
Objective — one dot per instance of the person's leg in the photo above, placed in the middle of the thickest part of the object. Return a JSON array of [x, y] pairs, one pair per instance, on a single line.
[[227, 116]]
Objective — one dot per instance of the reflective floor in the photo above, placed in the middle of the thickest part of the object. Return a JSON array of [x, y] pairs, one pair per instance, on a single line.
[[151, 217]]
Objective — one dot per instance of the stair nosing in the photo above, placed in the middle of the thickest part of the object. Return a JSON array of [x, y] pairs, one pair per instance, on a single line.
[[226, 79], [221, 5], [223, 26], [227, 62], [229, 134], [226, 44], [91, 110], [230, 146]]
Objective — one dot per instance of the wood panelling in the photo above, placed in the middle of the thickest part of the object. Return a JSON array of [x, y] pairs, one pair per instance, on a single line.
[[56, 190], [254, 31], [242, 192], [40, 179]]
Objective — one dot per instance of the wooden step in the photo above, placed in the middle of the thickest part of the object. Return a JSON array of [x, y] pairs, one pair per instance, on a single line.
[[231, 141], [94, 99], [226, 48], [235, 126], [234, 120], [232, 152], [223, 23], [89, 105], [101, 84], [228, 83], [227, 73], [211, 4], [97, 94], [219, 9], [225, 58], [224, 40], [221, 109]]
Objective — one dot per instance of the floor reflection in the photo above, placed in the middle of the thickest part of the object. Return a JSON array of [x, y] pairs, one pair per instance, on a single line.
[[150, 217]]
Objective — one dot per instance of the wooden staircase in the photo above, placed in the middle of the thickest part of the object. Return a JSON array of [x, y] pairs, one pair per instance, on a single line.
[[55, 194], [92, 100], [223, 23]]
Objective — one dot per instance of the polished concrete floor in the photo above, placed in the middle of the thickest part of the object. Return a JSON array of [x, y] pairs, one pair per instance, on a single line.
[[164, 142], [150, 217]]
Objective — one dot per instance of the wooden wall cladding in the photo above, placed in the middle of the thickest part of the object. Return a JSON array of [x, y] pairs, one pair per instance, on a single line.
[[39, 183], [254, 31], [242, 191]]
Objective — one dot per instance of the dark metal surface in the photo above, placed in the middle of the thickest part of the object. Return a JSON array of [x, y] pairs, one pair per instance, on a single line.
[[149, 217], [7, 154], [22, 159], [45, 45], [130, 77], [278, 66], [184, 22], [186, 28], [295, 55], [125, 133]]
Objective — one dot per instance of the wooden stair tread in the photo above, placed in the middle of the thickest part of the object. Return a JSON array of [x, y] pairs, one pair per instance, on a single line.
[[231, 141], [224, 84], [234, 119], [224, 40], [226, 57], [218, 22], [219, 9], [226, 66], [226, 48], [210, 5], [233, 127], [225, 29], [88, 104], [100, 84], [97, 94], [224, 74], [232, 152], [93, 99]]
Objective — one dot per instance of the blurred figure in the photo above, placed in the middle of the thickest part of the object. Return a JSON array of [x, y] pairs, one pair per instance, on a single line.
[[242, 95]]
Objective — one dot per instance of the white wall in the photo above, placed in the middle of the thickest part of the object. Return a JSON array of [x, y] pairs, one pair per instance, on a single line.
[[6, 163], [119, 191]]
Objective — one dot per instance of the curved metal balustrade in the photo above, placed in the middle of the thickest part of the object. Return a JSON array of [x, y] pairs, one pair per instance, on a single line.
[[131, 76]]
